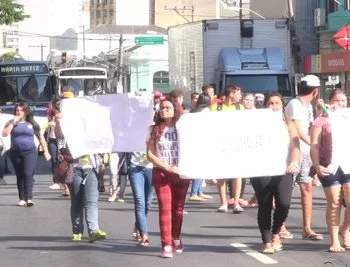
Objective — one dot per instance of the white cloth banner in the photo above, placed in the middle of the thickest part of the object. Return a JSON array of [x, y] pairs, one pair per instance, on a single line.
[[340, 127], [4, 118], [239, 144], [106, 123]]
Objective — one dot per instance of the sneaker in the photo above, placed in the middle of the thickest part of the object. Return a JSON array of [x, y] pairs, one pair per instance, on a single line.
[[178, 247], [55, 186], [167, 252], [3, 182], [121, 200], [76, 237], [30, 203], [222, 208], [112, 197], [97, 235], [237, 209], [22, 203]]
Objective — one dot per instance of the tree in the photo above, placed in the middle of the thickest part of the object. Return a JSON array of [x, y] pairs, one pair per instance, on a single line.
[[11, 12], [10, 56]]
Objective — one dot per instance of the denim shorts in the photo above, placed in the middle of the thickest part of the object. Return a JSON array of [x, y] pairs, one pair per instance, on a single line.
[[339, 178], [303, 174]]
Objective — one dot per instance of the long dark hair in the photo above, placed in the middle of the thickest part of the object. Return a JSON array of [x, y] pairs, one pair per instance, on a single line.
[[274, 94], [159, 122], [29, 117]]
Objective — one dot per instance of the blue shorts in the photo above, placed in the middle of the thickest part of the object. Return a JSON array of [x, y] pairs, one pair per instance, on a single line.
[[339, 178]]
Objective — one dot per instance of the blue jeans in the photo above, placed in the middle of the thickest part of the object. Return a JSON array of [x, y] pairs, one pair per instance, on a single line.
[[84, 198], [196, 188], [142, 189], [24, 164], [53, 150]]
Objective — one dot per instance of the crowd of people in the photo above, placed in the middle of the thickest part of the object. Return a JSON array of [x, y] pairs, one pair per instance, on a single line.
[[154, 171]]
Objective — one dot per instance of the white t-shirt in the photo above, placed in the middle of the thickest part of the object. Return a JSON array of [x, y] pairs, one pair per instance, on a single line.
[[296, 110], [167, 147]]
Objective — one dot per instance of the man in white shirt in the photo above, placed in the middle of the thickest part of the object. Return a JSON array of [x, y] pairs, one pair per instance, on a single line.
[[299, 111]]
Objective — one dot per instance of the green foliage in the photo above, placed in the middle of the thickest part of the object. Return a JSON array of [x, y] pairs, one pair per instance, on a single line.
[[11, 12], [10, 56]]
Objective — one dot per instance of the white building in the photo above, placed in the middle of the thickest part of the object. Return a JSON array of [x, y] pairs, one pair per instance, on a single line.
[[31, 37]]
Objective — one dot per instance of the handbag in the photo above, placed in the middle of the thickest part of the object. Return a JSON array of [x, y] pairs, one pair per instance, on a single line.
[[64, 168]]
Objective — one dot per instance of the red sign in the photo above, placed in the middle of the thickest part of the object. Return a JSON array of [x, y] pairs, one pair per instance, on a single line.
[[335, 62], [342, 37]]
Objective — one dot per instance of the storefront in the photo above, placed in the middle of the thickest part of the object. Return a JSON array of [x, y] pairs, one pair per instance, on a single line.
[[333, 70]]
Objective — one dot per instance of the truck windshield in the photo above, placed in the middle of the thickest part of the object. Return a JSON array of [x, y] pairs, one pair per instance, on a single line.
[[261, 83], [31, 88]]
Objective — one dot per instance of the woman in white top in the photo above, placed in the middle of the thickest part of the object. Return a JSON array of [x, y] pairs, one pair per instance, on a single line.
[[162, 151]]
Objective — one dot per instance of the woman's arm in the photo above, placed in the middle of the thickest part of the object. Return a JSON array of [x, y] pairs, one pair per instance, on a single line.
[[294, 149], [58, 130], [9, 126], [157, 162], [43, 144], [315, 134]]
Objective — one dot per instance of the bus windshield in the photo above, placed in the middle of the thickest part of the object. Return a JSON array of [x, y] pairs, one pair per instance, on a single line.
[[261, 83], [31, 88], [25, 81], [87, 86]]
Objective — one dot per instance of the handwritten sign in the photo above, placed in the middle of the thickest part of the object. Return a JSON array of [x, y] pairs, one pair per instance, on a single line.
[[340, 128], [240, 144], [106, 123]]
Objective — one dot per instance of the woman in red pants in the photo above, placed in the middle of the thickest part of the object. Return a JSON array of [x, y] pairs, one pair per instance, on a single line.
[[162, 151]]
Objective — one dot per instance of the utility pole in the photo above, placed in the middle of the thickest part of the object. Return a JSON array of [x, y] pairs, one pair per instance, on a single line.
[[84, 56], [240, 10], [120, 66], [177, 10], [41, 50]]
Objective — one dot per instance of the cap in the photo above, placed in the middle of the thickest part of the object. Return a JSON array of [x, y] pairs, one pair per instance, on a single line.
[[67, 95], [311, 81]]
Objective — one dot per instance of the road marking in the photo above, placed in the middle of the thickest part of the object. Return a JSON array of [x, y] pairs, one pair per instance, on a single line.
[[253, 253]]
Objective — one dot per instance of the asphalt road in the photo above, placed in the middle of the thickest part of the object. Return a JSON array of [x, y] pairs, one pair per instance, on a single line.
[[41, 235]]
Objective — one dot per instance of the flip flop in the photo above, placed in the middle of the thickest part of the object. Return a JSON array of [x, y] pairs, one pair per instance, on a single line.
[[286, 235], [144, 243], [313, 236]]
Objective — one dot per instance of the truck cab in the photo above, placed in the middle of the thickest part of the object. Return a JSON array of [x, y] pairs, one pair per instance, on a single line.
[[255, 70]]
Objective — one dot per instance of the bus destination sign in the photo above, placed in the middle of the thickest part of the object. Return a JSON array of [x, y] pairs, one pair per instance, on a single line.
[[22, 69]]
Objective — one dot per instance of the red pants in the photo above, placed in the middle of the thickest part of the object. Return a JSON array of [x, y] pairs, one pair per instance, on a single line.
[[171, 193]]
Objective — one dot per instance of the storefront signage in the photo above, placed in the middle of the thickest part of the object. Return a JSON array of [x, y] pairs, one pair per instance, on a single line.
[[342, 37], [327, 63]]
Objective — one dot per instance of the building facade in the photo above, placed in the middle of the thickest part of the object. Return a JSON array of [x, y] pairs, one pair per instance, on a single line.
[[332, 62]]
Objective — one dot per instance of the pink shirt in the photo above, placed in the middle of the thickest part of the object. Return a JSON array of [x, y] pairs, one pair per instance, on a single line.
[[326, 140]]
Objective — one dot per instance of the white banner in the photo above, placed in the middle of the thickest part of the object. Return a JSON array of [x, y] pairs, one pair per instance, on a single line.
[[240, 144], [4, 118], [106, 123]]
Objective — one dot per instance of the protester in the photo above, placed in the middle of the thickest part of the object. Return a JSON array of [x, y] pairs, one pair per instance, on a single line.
[[140, 176], [83, 189], [162, 151], [202, 105], [276, 188], [300, 112], [233, 96], [336, 183], [23, 151], [51, 140]]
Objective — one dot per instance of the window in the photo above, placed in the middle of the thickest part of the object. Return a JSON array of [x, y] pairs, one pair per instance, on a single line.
[[161, 77], [332, 6]]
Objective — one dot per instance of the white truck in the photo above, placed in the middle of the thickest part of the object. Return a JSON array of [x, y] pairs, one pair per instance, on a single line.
[[254, 54]]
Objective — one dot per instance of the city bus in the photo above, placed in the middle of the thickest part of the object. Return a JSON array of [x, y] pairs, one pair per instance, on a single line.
[[85, 81], [25, 81]]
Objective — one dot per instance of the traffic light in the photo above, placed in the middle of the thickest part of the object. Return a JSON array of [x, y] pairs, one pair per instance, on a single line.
[[64, 57]]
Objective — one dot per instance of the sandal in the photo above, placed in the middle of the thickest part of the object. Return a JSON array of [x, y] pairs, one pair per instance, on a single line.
[[286, 235], [313, 236], [144, 243]]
